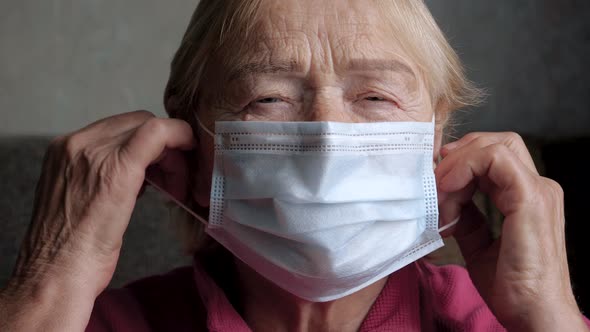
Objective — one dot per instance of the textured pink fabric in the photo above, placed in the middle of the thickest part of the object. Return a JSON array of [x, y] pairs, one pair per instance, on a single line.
[[221, 315], [419, 297]]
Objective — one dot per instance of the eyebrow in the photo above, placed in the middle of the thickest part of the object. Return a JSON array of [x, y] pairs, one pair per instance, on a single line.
[[292, 66], [264, 68], [378, 64]]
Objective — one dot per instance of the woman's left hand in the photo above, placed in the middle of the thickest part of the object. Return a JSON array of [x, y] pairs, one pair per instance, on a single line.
[[523, 276]]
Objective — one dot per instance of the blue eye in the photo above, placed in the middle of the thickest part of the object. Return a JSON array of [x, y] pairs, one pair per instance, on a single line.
[[269, 100]]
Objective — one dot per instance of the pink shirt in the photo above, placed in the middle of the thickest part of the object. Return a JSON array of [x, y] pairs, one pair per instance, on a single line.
[[419, 297]]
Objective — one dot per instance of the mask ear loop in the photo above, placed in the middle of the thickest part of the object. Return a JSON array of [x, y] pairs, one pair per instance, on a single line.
[[172, 198], [199, 218], [179, 203], [456, 220], [447, 226], [203, 126]]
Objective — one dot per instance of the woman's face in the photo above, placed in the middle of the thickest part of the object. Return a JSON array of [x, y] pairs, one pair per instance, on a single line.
[[311, 61]]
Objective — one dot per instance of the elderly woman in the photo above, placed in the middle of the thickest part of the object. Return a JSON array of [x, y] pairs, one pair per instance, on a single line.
[[302, 136]]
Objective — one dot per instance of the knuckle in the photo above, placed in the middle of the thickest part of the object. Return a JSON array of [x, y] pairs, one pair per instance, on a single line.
[[144, 114], [74, 149], [513, 137], [154, 126], [482, 141], [497, 149], [106, 174], [72, 144], [554, 187], [87, 154], [472, 136], [500, 154]]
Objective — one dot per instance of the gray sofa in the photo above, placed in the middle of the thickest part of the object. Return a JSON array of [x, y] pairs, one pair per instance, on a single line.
[[150, 244]]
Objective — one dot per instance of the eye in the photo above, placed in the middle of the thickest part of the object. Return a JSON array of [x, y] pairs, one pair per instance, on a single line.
[[374, 101], [272, 108], [374, 98], [268, 100]]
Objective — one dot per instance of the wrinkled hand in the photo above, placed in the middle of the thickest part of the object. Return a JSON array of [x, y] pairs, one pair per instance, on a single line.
[[84, 199], [523, 276]]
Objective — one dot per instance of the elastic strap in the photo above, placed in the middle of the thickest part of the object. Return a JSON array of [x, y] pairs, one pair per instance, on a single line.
[[447, 226], [203, 127], [184, 207], [199, 218]]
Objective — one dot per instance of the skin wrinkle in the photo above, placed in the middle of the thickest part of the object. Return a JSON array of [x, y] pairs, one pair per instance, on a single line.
[[257, 68], [313, 67], [264, 58], [376, 70], [292, 66]]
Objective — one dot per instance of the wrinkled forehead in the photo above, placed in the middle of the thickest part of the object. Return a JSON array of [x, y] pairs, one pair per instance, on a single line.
[[322, 35]]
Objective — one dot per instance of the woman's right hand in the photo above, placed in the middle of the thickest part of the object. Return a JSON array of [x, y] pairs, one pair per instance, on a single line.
[[84, 199]]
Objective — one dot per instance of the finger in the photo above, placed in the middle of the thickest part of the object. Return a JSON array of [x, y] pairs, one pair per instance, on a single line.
[[117, 124], [171, 173], [151, 139], [511, 140], [451, 204], [495, 163]]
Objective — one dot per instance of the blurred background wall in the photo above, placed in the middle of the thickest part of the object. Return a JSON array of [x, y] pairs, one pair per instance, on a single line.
[[533, 58], [66, 63]]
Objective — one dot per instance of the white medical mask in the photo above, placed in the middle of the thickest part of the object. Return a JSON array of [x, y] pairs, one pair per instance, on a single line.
[[324, 209]]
